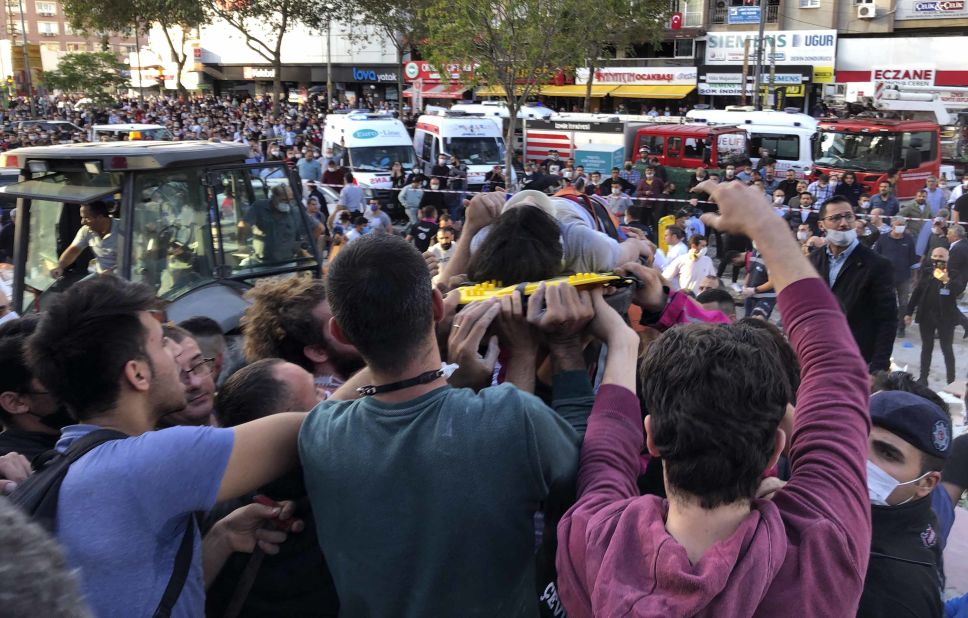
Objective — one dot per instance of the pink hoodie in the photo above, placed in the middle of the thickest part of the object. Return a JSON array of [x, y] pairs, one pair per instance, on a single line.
[[804, 553]]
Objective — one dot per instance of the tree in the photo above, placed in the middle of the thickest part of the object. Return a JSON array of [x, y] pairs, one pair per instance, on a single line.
[[96, 75], [398, 20], [265, 23], [515, 44], [627, 22], [175, 17]]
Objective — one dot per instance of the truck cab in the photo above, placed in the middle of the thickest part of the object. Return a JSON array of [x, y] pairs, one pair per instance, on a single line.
[[787, 135], [194, 222], [473, 138], [870, 147], [684, 147]]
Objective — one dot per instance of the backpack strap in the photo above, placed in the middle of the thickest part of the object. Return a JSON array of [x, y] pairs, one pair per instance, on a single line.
[[179, 574], [38, 495]]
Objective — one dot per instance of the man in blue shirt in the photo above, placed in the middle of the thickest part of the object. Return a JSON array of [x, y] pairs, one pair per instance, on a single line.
[[351, 195], [309, 167], [885, 200], [126, 505]]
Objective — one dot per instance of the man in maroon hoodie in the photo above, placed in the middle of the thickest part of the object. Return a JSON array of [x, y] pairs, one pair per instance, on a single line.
[[715, 396]]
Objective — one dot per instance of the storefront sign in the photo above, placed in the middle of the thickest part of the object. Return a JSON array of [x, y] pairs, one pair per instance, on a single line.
[[930, 9], [422, 70], [640, 76], [373, 74], [823, 75], [735, 90], [258, 73], [743, 15], [904, 75], [814, 47], [736, 78]]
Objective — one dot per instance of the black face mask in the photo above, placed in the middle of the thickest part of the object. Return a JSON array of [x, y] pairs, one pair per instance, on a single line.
[[58, 419]]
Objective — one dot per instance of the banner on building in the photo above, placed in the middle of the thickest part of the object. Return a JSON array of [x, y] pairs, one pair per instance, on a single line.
[[813, 47], [640, 76], [930, 9]]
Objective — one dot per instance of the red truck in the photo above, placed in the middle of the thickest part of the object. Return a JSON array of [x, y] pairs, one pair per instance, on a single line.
[[871, 147]]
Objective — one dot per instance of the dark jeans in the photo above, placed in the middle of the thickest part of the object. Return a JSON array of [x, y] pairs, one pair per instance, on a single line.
[[945, 335], [903, 293]]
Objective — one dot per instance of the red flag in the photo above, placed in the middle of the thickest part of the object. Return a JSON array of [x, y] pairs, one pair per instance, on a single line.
[[676, 21]]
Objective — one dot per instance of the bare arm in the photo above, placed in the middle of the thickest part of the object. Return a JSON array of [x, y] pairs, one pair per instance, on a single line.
[[263, 450]]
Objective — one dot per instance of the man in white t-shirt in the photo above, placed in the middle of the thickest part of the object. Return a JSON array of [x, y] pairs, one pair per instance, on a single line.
[[688, 271], [97, 232], [674, 237]]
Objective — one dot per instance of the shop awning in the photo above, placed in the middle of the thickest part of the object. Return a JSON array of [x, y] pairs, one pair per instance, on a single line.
[[438, 91], [598, 91], [498, 91], [652, 92]]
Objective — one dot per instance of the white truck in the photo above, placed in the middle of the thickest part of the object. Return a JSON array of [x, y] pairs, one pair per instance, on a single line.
[[498, 111], [475, 139], [789, 136], [368, 144]]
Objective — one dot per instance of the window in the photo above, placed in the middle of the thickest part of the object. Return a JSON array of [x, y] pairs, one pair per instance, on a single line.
[[76, 47], [47, 28], [68, 29], [253, 234], [13, 6], [684, 48], [46, 9], [171, 242], [692, 11], [54, 47], [655, 144], [918, 148], [695, 148], [782, 147], [675, 144], [15, 27], [809, 4]]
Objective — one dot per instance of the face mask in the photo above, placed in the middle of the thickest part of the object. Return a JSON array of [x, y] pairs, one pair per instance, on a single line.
[[801, 236], [628, 167], [283, 206], [616, 190], [899, 229], [434, 187], [58, 419], [778, 200], [702, 252], [880, 485], [841, 238], [729, 173], [445, 245]]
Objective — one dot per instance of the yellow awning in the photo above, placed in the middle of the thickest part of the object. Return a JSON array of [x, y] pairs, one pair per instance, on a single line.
[[498, 91], [652, 92], [598, 91]]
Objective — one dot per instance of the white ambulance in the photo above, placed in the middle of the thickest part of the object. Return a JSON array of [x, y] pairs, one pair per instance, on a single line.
[[475, 139], [368, 144], [789, 136]]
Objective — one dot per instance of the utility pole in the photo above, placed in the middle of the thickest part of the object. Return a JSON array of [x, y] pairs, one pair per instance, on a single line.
[[757, 77], [329, 62], [137, 43], [28, 78]]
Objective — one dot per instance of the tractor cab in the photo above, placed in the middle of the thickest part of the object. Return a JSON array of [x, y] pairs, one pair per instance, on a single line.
[[193, 221]]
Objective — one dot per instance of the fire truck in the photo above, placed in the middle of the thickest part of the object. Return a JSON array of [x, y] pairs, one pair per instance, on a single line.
[[872, 147]]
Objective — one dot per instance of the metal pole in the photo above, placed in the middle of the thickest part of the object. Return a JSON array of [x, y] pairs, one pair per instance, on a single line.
[[772, 95], [757, 77], [137, 43], [28, 77], [746, 70], [329, 63]]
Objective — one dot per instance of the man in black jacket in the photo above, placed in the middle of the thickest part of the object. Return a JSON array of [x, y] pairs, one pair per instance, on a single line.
[[861, 280], [934, 301]]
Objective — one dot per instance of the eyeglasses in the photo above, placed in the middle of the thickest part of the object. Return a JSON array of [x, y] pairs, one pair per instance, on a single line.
[[203, 369], [844, 216]]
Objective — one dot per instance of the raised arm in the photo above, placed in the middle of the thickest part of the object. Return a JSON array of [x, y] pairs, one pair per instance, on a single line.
[[263, 450]]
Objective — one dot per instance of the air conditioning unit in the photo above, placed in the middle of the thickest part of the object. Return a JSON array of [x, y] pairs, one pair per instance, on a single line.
[[866, 9], [49, 33]]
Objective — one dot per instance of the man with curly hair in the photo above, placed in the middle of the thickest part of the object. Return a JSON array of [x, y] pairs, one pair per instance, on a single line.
[[289, 319]]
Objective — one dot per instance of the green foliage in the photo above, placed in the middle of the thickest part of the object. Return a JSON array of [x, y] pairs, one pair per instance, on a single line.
[[96, 75], [124, 15]]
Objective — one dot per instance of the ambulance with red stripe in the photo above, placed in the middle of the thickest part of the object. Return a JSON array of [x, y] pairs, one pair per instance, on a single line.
[[475, 139]]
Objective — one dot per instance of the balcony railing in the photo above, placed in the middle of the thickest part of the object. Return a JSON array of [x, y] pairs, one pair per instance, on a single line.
[[720, 9]]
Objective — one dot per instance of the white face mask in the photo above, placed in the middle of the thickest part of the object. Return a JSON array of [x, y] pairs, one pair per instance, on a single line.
[[801, 236], [778, 200], [841, 238], [700, 253], [900, 229], [880, 485]]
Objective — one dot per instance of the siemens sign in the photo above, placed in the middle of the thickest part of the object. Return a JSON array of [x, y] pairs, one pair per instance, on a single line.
[[813, 47]]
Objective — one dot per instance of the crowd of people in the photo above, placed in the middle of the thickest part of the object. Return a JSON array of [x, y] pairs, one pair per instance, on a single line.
[[382, 449]]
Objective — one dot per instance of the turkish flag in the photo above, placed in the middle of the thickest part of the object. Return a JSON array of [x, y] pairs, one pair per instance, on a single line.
[[676, 21]]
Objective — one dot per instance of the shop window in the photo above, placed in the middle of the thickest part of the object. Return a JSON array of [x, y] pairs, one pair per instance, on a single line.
[[684, 48]]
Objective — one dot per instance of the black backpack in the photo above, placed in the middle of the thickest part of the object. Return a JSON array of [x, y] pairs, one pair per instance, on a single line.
[[38, 497]]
